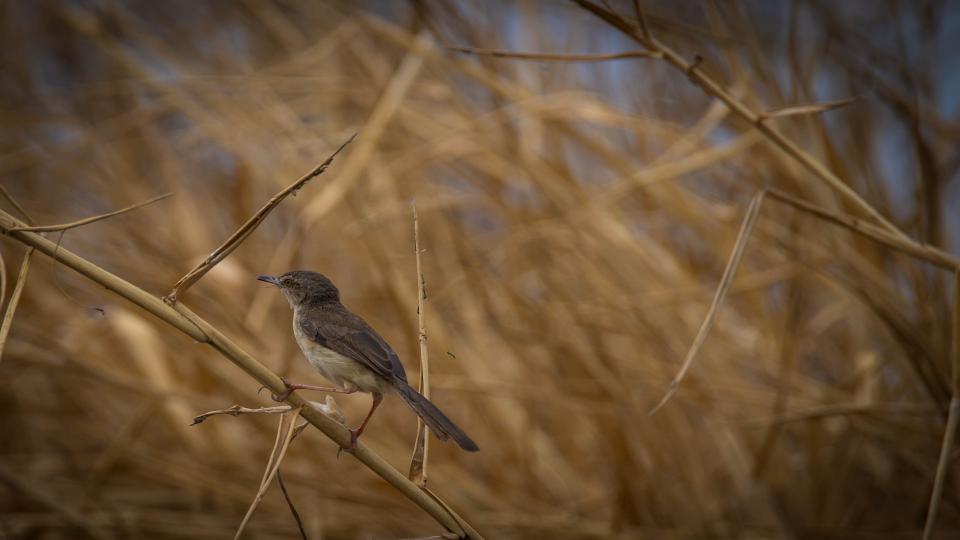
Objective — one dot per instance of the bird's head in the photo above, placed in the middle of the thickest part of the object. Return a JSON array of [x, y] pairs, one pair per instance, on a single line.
[[299, 286]]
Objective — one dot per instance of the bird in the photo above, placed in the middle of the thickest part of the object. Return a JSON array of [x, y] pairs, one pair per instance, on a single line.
[[351, 354]]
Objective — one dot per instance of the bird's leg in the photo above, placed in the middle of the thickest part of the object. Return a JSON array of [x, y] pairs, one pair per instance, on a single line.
[[290, 387], [355, 433]]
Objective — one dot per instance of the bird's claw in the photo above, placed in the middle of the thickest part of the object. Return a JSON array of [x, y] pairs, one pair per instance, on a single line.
[[354, 435], [282, 396]]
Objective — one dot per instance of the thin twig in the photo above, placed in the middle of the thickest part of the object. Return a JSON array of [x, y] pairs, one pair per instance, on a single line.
[[463, 524], [91, 219], [201, 331], [293, 508], [859, 226], [237, 410], [444, 536], [643, 22], [247, 228], [14, 300], [813, 108], [950, 432], [418, 463], [745, 229], [856, 225], [955, 343], [543, 57], [13, 202], [329, 408], [285, 432], [3, 280]]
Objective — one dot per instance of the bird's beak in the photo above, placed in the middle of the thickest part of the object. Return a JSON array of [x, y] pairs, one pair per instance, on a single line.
[[269, 279]]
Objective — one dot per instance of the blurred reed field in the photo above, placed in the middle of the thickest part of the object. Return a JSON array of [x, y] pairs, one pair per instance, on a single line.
[[576, 218]]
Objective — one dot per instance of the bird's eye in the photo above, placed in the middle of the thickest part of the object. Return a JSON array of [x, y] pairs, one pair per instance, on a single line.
[[286, 282]]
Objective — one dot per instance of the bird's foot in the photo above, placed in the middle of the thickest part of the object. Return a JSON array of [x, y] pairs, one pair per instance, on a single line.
[[354, 435], [282, 396], [290, 387]]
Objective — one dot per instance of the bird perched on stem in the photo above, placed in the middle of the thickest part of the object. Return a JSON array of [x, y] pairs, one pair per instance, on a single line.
[[351, 354]]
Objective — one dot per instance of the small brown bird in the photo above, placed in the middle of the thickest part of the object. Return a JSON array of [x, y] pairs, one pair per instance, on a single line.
[[351, 354]]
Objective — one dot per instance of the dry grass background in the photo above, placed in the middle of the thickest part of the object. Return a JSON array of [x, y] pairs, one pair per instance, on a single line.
[[576, 218]]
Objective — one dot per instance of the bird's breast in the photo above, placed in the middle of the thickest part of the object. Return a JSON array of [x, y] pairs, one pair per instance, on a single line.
[[337, 368]]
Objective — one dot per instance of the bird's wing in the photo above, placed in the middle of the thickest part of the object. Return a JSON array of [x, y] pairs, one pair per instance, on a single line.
[[355, 339]]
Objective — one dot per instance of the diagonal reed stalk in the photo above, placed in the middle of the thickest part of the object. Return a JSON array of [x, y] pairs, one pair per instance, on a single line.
[[14, 300], [184, 320], [91, 219], [741, 244], [738, 107], [248, 227], [903, 245], [953, 417]]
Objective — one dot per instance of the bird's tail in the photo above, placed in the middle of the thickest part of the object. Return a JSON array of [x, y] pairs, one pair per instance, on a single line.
[[443, 427]]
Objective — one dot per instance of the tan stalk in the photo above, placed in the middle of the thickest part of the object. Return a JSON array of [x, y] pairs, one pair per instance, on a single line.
[[3, 279], [200, 330], [950, 432], [91, 219], [880, 236], [552, 57], [718, 296], [285, 432], [418, 463], [329, 408], [713, 88], [14, 300], [247, 228]]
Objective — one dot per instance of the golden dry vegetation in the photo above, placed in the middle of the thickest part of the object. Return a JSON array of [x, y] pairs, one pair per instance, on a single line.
[[576, 217]]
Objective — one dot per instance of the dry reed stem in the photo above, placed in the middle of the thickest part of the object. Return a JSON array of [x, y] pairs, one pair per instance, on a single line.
[[516, 55], [738, 248], [955, 343], [907, 246], [642, 19], [293, 508], [14, 300], [329, 408], [813, 108], [418, 462], [712, 87], [285, 432], [950, 432], [13, 202], [91, 219], [463, 524], [920, 251], [3, 283], [248, 227], [200, 330], [237, 410], [943, 464], [21, 276]]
